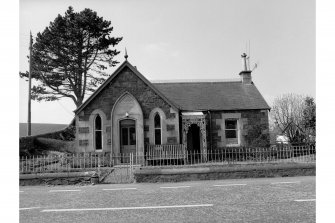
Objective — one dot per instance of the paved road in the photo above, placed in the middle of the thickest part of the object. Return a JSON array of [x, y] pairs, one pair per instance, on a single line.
[[290, 199]]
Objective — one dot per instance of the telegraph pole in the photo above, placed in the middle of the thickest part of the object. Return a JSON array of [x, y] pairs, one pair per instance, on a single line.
[[29, 93]]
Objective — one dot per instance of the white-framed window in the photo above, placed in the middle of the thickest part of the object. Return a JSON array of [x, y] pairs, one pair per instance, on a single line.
[[157, 129], [231, 131], [98, 133]]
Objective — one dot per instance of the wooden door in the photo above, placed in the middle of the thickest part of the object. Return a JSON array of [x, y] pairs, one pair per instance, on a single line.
[[127, 136]]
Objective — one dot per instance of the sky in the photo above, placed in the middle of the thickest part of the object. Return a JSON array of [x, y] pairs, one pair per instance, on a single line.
[[198, 39]]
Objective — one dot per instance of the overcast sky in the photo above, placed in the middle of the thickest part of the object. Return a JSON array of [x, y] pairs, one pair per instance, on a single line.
[[170, 40]]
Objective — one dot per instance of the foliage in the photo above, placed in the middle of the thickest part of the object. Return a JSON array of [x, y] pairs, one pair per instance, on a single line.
[[294, 115], [70, 56], [62, 140], [309, 114], [257, 137]]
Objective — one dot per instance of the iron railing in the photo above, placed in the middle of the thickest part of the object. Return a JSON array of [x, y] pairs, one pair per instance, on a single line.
[[168, 155]]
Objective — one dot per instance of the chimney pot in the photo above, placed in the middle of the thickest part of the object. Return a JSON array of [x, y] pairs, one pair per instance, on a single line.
[[245, 73], [244, 62]]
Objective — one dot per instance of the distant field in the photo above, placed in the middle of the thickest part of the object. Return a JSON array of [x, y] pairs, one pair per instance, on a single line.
[[40, 128]]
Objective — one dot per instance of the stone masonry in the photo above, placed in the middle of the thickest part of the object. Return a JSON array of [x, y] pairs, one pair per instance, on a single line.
[[253, 124], [125, 81]]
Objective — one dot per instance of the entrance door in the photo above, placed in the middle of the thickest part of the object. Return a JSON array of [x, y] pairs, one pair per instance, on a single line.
[[193, 140], [127, 136]]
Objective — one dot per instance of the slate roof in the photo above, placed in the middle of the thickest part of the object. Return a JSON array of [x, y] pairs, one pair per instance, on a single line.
[[197, 96], [213, 95]]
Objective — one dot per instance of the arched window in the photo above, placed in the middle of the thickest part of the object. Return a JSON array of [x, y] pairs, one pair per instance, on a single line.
[[98, 132], [158, 129]]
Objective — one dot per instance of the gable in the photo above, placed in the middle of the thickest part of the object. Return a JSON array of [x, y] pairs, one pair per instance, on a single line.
[[125, 80], [126, 77]]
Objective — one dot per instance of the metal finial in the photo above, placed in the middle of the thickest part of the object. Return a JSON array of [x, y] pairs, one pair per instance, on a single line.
[[126, 55]]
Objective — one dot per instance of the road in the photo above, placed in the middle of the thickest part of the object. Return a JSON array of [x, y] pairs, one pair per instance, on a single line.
[[290, 199]]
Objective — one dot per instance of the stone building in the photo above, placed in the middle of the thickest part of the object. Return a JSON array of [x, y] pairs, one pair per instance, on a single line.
[[128, 113]]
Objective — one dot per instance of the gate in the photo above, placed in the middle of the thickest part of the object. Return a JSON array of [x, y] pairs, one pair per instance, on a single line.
[[122, 172]]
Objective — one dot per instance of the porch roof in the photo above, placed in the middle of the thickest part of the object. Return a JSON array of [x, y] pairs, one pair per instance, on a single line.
[[192, 113]]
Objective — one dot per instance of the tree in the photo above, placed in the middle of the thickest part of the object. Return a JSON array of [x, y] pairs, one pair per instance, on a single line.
[[71, 55], [309, 116], [288, 113]]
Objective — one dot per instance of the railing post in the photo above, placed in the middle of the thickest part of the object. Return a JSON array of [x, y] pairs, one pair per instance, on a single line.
[[131, 165], [39, 165], [98, 165]]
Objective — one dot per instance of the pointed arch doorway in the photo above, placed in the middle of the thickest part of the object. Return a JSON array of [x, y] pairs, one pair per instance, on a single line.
[[127, 126]]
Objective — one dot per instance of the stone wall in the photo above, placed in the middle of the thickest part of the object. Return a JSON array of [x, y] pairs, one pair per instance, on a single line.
[[253, 128], [169, 127], [212, 172], [125, 81]]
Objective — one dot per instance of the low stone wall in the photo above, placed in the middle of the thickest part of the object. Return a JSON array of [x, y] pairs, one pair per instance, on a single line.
[[66, 178], [153, 175]]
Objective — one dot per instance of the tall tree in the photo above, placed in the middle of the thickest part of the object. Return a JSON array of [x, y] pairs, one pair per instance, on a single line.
[[288, 113], [309, 116], [71, 55]]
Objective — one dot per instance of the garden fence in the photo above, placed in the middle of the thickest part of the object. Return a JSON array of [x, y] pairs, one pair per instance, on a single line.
[[222, 156]]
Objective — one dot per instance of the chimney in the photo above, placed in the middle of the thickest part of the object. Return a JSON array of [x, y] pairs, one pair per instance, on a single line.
[[246, 72]]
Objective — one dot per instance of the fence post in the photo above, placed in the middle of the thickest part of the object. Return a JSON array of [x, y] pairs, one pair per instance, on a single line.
[[99, 165], [39, 165], [305, 153], [79, 154], [131, 165]]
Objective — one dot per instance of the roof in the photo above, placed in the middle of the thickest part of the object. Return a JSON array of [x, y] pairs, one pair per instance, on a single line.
[[213, 95], [40, 128], [197, 96], [116, 72]]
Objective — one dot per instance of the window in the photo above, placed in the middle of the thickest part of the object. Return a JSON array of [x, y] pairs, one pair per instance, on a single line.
[[231, 131], [98, 132], [158, 129], [128, 132]]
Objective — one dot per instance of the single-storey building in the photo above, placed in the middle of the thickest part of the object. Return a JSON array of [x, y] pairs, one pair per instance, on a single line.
[[129, 114]]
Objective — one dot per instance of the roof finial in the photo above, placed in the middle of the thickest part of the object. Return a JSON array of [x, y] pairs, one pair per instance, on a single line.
[[126, 55]]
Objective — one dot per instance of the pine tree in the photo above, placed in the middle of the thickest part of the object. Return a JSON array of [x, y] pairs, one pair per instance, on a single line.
[[71, 55]]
